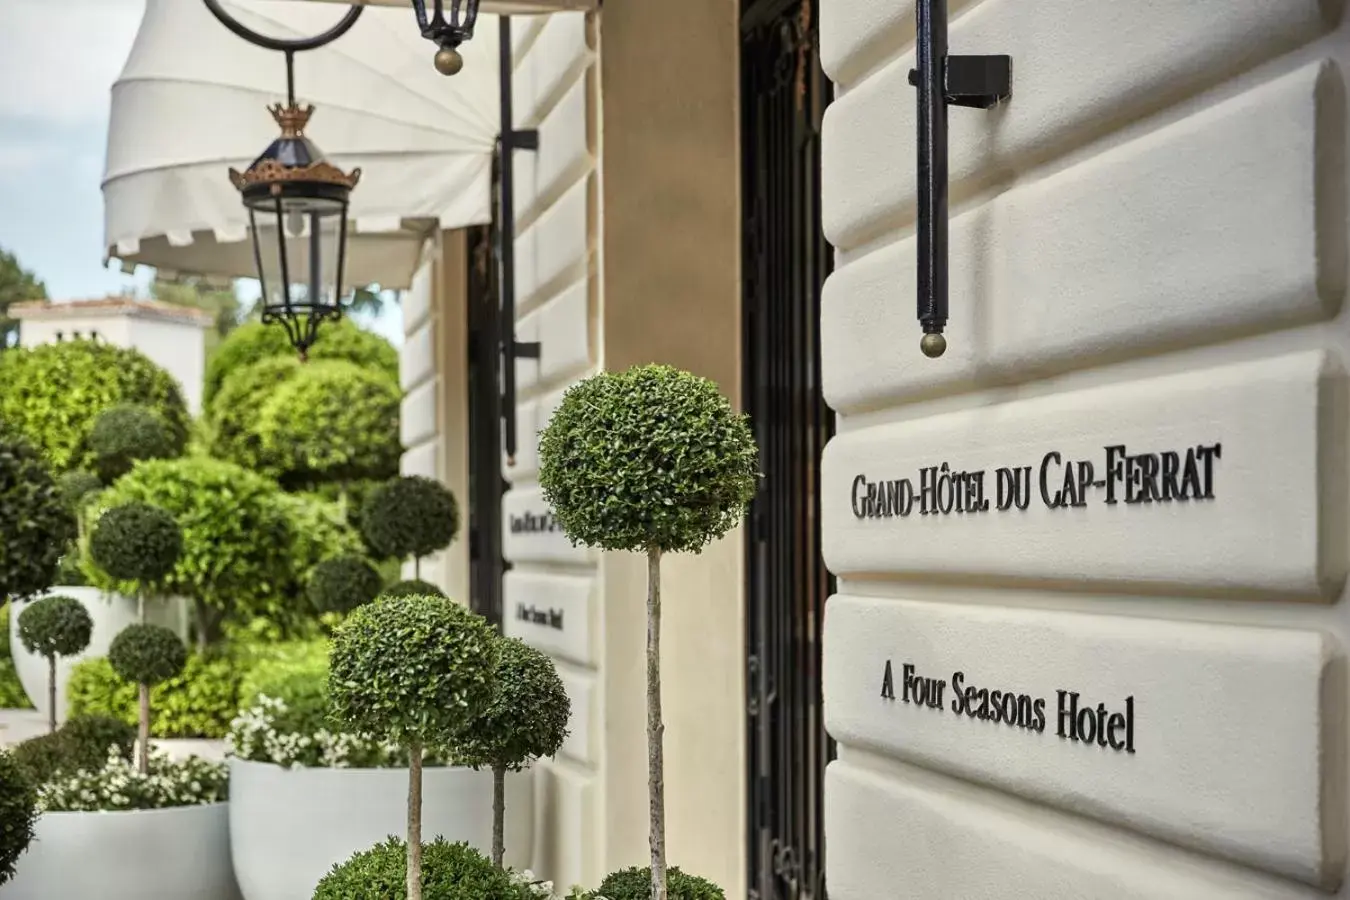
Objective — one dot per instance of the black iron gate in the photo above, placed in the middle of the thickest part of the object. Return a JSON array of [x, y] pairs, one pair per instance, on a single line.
[[785, 261], [486, 485]]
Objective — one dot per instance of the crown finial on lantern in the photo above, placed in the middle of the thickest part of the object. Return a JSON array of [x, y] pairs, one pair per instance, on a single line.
[[292, 118]]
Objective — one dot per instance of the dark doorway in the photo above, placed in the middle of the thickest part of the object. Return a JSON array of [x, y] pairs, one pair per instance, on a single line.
[[785, 261], [486, 484]]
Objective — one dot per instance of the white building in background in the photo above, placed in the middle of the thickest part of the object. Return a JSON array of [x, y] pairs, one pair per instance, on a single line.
[[173, 337]]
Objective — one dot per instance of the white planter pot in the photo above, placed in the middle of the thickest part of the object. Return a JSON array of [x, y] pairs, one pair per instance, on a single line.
[[288, 827], [110, 612], [158, 854]]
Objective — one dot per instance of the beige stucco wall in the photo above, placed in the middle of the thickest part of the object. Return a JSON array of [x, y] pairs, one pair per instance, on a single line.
[[671, 275], [432, 367], [1148, 249]]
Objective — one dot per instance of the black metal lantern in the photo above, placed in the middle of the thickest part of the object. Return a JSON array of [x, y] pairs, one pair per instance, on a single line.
[[297, 202], [448, 28], [297, 210]]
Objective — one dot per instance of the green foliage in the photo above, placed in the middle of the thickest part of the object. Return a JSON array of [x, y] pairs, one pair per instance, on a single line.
[[296, 674], [55, 626], [236, 536], [253, 342], [412, 669], [199, 703], [331, 421], [147, 654], [83, 742], [18, 814], [449, 872], [54, 394], [137, 542], [233, 416], [76, 486], [17, 284], [320, 530], [12, 694], [648, 458], [410, 516], [35, 526], [528, 716], [343, 583], [636, 884], [124, 434], [412, 586]]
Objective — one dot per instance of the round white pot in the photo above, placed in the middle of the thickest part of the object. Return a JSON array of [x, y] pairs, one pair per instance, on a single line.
[[288, 827], [159, 854], [110, 612]]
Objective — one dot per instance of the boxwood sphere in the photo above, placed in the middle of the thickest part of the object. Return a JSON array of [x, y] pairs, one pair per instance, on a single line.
[[55, 626], [35, 523], [648, 458], [528, 716], [412, 586], [343, 583], [126, 433], [449, 872], [136, 542], [636, 884], [76, 485], [147, 654], [18, 814], [410, 516], [412, 669]]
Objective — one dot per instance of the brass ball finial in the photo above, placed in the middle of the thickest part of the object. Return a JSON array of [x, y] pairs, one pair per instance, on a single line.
[[933, 345], [448, 61]]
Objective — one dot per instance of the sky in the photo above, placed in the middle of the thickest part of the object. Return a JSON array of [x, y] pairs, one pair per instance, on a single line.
[[58, 61]]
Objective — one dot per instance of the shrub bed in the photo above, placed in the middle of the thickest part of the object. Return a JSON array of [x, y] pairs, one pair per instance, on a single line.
[[199, 703]]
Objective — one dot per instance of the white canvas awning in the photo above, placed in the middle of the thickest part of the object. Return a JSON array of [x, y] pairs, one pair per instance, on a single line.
[[191, 103]]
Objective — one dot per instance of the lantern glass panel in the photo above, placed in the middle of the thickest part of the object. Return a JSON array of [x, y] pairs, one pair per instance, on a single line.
[[299, 245]]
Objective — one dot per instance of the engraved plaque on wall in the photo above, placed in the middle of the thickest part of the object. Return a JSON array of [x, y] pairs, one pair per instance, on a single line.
[[1229, 478], [1219, 737]]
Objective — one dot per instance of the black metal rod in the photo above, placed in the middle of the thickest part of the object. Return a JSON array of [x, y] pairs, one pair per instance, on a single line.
[[507, 221], [932, 149], [293, 45]]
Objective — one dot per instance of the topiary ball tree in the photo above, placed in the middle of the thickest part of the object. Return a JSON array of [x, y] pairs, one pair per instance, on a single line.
[[76, 486], [253, 342], [417, 670], [636, 884], [651, 460], [237, 540], [412, 586], [124, 434], [59, 389], [146, 655], [52, 627], [137, 542], [18, 814], [410, 516], [332, 422], [526, 720], [449, 872], [343, 583], [36, 526]]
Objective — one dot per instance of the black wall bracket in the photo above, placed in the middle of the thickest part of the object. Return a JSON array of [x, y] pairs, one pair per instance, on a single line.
[[510, 141], [980, 82]]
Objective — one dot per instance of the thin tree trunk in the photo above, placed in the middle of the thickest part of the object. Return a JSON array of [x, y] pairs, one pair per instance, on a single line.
[[144, 756], [498, 815], [51, 693], [140, 607], [203, 625], [417, 567], [656, 777], [415, 821]]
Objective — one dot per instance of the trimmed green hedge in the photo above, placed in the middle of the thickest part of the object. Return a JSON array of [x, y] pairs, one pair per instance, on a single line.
[[53, 393], [236, 558], [254, 342], [198, 703]]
